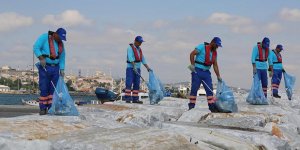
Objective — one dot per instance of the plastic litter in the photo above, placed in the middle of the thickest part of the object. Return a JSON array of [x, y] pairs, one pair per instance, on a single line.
[[156, 89], [289, 82], [62, 102], [225, 102], [256, 95]]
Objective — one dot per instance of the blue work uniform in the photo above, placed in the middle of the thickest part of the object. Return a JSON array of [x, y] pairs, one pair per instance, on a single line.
[[277, 71], [202, 76], [261, 67], [49, 75], [132, 78]]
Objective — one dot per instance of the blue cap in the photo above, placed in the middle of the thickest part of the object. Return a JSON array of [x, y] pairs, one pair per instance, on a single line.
[[218, 41], [266, 40], [139, 39], [62, 33], [279, 46]]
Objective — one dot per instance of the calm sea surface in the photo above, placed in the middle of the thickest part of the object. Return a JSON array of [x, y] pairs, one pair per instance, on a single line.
[[16, 99]]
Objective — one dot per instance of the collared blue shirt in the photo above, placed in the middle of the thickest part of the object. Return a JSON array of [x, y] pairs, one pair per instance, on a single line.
[[255, 55], [200, 57], [131, 57], [41, 47], [273, 58]]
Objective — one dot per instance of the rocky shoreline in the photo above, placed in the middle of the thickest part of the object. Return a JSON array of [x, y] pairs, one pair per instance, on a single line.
[[165, 126]]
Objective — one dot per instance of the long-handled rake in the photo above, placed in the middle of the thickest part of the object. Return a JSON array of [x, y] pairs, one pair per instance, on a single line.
[[136, 72]]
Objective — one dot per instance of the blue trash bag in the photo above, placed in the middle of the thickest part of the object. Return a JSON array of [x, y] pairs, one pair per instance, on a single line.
[[289, 82], [156, 89], [62, 103], [162, 87], [225, 102], [256, 95]]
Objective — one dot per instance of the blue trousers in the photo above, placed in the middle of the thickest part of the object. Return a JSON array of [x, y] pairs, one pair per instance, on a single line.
[[45, 77], [132, 85], [202, 77], [263, 76], [276, 78]]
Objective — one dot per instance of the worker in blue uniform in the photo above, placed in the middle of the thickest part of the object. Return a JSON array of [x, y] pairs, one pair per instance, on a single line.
[[135, 58], [259, 59], [50, 51], [202, 58], [277, 67]]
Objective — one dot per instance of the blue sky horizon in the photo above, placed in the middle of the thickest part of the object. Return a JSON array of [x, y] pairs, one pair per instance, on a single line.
[[98, 34]]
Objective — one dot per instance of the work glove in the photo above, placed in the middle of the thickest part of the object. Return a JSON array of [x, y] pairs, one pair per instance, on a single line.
[[149, 69], [62, 72], [254, 70], [220, 79], [42, 61], [283, 70], [192, 68], [270, 74]]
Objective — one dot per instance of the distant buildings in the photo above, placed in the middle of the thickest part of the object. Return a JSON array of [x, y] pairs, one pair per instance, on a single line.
[[4, 89], [23, 81], [5, 68], [90, 83]]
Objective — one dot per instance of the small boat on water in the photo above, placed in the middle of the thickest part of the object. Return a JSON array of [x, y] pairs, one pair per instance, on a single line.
[[105, 95], [30, 102], [142, 95], [36, 103], [201, 91], [80, 103]]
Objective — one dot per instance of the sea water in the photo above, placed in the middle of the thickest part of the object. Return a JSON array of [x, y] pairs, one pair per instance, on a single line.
[[16, 99]]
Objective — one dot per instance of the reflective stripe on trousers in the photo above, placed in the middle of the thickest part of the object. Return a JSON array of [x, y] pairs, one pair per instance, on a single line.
[[263, 76], [199, 78], [132, 84], [46, 88], [277, 75]]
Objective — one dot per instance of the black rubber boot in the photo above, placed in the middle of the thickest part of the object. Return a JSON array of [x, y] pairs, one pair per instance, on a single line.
[[43, 112], [137, 102], [276, 95], [213, 107], [191, 106]]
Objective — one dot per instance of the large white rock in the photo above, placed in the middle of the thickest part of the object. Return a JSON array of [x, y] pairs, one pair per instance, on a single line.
[[167, 125]]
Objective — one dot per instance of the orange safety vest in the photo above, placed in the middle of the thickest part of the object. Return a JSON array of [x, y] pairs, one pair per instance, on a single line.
[[208, 61], [262, 58], [136, 55], [279, 58], [52, 48]]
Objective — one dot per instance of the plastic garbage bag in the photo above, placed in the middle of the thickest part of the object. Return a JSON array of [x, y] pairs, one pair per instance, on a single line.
[[256, 95], [156, 89], [162, 87], [289, 82], [62, 103], [225, 102]]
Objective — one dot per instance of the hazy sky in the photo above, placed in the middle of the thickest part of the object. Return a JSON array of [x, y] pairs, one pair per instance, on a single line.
[[98, 33]]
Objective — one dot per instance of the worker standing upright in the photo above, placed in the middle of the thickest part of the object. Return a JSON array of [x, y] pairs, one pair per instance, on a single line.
[[277, 67], [259, 59], [135, 58]]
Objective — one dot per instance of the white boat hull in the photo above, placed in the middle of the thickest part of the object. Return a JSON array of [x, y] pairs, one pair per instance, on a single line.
[[31, 102], [141, 95]]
